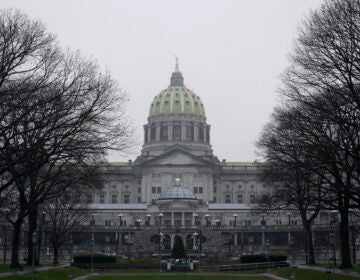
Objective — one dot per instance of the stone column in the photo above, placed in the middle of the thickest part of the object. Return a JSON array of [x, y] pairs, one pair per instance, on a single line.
[[148, 133], [172, 218], [183, 131], [170, 131], [172, 239], [157, 137], [182, 218], [235, 239], [196, 132]]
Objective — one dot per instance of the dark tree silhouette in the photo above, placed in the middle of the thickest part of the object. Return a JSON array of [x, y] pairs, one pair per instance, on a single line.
[[178, 251]]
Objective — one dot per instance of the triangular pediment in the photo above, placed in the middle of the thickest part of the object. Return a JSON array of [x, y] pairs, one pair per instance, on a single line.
[[177, 205], [177, 157]]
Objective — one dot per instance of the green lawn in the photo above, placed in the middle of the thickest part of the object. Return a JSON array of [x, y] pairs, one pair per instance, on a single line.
[[54, 274], [4, 267], [308, 274], [177, 276]]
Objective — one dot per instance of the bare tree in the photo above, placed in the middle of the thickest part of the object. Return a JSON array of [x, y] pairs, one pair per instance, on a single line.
[[289, 170], [58, 111], [66, 211], [324, 77]]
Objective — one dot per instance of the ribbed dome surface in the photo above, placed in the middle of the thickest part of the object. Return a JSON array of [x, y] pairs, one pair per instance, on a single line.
[[177, 192], [177, 100]]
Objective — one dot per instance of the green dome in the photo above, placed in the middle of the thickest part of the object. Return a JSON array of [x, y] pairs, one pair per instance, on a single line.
[[177, 100]]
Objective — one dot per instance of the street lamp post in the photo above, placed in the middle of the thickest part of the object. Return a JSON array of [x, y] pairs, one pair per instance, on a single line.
[[235, 215], [268, 253], [118, 243], [34, 237], [289, 225], [107, 240], [70, 244], [92, 243], [197, 219], [292, 245], [160, 239]]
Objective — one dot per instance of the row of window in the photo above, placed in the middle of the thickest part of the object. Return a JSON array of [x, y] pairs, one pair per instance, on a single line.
[[228, 187], [114, 199], [239, 199], [177, 132], [157, 176], [155, 190]]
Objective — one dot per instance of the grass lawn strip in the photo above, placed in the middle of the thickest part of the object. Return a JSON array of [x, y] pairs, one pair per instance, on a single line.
[[53, 274], [177, 276], [308, 274]]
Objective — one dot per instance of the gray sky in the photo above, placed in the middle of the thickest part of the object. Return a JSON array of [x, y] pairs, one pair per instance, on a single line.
[[230, 53]]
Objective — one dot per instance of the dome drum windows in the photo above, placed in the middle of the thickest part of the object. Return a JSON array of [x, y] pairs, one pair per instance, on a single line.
[[164, 132], [153, 132], [201, 132], [176, 132], [189, 132]]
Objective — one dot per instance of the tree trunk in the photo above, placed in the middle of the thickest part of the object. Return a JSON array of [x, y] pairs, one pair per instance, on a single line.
[[16, 243], [56, 253], [310, 245], [344, 239], [32, 229]]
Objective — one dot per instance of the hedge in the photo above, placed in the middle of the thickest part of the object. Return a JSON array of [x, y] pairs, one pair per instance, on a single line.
[[262, 258], [96, 259]]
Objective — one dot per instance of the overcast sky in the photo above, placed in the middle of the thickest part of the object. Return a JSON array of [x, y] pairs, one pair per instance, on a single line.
[[230, 53]]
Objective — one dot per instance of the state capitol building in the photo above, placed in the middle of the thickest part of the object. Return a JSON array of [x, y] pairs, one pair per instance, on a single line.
[[177, 186]]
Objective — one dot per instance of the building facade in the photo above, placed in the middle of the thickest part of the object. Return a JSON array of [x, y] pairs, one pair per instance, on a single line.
[[177, 186]]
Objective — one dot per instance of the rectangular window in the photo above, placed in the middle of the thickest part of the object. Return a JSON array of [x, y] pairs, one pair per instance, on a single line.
[[113, 186], [189, 132], [227, 198], [102, 198], [156, 176], [177, 222], [214, 199], [107, 223], [126, 198], [139, 189], [153, 190], [114, 199], [152, 133], [201, 190], [252, 198], [214, 189], [139, 199], [167, 223], [201, 132], [89, 199], [158, 189], [240, 198], [164, 132], [195, 189], [177, 132]]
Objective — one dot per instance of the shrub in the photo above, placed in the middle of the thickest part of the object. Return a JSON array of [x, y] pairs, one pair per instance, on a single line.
[[262, 258], [96, 259]]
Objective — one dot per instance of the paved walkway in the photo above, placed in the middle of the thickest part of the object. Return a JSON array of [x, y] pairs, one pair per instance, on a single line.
[[28, 270]]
